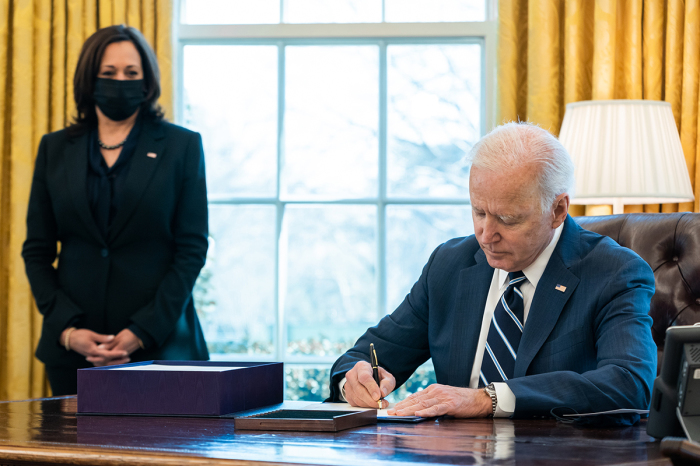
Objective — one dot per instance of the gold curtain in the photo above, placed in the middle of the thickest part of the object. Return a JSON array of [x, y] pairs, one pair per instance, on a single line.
[[40, 42], [553, 52]]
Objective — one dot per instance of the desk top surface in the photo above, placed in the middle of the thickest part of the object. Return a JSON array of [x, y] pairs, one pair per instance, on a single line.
[[48, 431]]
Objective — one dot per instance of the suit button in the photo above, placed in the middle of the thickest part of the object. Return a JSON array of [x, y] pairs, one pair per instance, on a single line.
[[105, 252]]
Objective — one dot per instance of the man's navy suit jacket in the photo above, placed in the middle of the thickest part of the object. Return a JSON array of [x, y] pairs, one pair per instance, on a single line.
[[588, 348]]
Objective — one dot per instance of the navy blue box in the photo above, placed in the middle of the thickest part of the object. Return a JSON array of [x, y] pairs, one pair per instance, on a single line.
[[247, 385]]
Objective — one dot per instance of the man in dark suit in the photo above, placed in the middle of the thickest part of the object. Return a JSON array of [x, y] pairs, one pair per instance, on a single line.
[[529, 314]]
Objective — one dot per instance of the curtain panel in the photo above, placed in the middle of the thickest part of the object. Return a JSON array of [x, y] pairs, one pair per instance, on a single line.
[[554, 52], [40, 41]]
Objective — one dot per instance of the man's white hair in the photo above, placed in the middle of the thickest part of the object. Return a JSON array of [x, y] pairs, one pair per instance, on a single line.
[[519, 144]]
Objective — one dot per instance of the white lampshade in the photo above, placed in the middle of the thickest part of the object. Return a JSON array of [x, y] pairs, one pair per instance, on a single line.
[[625, 152]]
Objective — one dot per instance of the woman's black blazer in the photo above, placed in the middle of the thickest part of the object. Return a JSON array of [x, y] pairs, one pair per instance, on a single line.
[[144, 271]]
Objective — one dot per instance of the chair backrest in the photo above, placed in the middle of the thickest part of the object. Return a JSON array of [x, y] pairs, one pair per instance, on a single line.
[[670, 243]]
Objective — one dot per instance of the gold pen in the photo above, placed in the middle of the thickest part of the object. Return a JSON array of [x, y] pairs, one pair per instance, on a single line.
[[375, 371]]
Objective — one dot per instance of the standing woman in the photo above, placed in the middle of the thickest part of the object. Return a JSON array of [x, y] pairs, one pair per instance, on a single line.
[[124, 193]]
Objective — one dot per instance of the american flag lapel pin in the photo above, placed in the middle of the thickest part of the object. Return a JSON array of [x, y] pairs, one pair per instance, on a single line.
[[561, 288], [152, 155]]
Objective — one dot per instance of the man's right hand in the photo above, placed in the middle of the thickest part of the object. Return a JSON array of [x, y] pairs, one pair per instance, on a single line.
[[362, 391], [90, 345]]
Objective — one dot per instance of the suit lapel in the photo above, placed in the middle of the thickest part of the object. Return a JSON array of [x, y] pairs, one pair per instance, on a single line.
[[548, 301], [143, 165], [76, 156], [473, 288]]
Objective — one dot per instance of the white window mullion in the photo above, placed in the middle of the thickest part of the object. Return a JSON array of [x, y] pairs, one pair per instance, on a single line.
[[381, 205], [280, 266]]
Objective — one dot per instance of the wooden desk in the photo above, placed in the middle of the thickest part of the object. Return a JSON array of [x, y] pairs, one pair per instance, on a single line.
[[47, 431]]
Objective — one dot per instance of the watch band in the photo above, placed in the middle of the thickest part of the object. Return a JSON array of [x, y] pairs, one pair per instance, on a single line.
[[490, 390]]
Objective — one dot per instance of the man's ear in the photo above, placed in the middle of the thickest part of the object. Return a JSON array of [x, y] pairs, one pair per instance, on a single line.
[[560, 209]]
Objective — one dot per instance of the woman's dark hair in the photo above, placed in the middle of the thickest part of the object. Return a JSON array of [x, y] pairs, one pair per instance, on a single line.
[[89, 66]]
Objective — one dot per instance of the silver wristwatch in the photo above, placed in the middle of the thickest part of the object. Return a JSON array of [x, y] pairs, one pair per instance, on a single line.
[[490, 390]]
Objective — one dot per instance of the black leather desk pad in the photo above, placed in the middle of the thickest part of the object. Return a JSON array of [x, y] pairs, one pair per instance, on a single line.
[[306, 420]]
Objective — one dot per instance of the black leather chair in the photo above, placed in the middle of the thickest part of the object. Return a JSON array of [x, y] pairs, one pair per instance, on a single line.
[[670, 243]]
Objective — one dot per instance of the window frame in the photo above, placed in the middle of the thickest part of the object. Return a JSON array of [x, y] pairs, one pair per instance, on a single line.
[[283, 34]]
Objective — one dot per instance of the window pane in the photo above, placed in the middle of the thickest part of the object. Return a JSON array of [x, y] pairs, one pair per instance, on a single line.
[[230, 96], [235, 292], [434, 110], [307, 382], [330, 276], [230, 12], [331, 121], [406, 254], [335, 11], [421, 378], [410, 11]]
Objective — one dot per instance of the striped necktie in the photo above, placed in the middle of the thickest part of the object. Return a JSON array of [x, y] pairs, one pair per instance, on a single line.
[[504, 333]]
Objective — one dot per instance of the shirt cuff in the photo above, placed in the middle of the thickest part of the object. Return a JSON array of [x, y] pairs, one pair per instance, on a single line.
[[341, 386], [141, 335], [506, 400]]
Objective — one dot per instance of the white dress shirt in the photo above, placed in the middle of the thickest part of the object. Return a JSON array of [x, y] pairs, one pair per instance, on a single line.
[[499, 283]]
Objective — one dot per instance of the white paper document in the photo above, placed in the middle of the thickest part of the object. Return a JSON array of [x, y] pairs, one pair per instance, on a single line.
[[381, 413], [166, 367]]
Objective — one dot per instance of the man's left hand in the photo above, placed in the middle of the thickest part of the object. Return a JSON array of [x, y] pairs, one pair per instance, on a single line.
[[438, 400]]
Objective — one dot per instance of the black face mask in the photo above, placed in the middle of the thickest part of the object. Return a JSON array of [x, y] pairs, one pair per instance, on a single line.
[[118, 100]]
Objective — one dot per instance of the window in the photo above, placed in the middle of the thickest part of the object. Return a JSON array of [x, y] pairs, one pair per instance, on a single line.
[[334, 135]]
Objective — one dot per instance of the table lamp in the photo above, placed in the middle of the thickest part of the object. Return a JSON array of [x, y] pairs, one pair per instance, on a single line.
[[625, 152]]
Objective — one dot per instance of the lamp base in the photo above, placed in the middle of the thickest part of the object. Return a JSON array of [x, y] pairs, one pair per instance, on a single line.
[[618, 206]]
